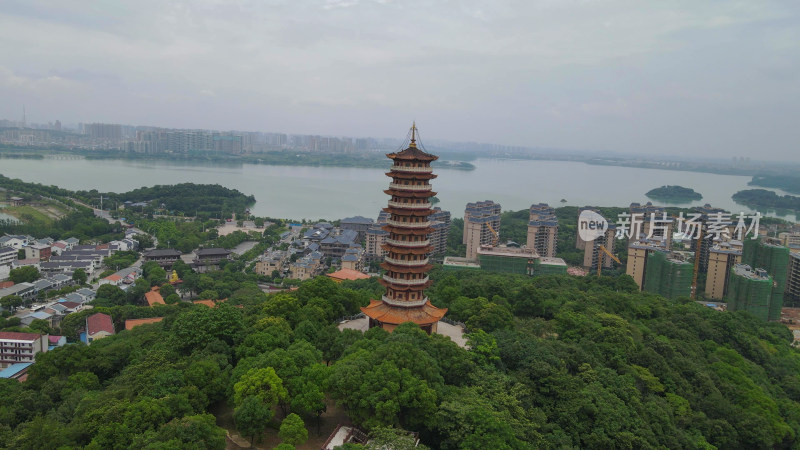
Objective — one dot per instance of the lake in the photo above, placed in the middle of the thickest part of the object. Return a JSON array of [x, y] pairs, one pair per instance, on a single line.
[[299, 192]]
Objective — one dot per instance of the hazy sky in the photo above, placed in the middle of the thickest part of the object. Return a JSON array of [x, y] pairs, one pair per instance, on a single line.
[[709, 78]]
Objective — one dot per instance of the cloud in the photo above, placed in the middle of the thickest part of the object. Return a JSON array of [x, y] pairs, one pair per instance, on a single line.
[[555, 73]]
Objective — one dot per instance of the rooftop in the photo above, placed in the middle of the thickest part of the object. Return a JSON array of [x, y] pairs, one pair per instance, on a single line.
[[357, 220], [162, 253], [154, 297], [347, 274], [99, 322], [212, 251], [512, 252], [14, 336], [131, 323]]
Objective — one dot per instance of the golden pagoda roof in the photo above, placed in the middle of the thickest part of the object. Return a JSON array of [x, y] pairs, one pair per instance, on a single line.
[[412, 152]]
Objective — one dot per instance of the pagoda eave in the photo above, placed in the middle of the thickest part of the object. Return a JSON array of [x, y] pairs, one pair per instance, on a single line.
[[411, 175], [411, 154], [401, 269], [407, 250], [408, 211], [384, 313], [404, 288], [407, 231], [410, 193]]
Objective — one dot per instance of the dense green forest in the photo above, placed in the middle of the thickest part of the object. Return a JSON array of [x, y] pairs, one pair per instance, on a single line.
[[767, 199], [788, 183], [80, 223], [674, 193], [555, 362], [184, 198]]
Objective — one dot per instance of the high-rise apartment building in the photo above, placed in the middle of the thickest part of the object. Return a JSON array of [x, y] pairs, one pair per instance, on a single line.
[[792, 295], [770, 255], [591, 249], [543, 230], [107, 131], [638, 251], [440, 222], [750, 290], [721, 259], [481, 226], [655, 225], [668, 275], [375, 238]]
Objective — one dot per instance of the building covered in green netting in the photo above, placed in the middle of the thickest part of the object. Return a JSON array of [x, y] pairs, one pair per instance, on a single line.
[[549, 266], [770, 255], [750, 290], [507, 259], [667, 276]]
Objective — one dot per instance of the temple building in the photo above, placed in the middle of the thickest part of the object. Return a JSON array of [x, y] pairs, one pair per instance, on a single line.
[[408, 245]]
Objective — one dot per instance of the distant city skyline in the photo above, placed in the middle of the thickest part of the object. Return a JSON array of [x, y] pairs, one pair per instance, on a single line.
[[658, 80]]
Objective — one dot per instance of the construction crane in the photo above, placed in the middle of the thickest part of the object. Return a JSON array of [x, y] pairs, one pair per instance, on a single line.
[[602, 249], [494, 233]]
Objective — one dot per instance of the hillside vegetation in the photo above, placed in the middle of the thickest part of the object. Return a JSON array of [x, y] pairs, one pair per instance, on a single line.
[[555, 362]]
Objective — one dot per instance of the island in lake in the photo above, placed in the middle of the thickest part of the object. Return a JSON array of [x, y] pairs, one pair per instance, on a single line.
[[767, 199], [674, 194]]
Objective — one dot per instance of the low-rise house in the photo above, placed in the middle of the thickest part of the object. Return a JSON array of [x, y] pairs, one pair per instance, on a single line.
[[24, 290], [42, 285], [57, 248], [38, 315], [8, 255], [273, 261], [316, 234], [20, 347], [165, 257], [353, 258], [124, 245], [98, 326], [60, 280], [71, 242], [358, 224], [87, 294], [66, 267], [74, 297], [56, 341], [113, 279], [306, 267], [26, 262], [18, 371], [124, 276], [71, 307], [335, 245], [57, 309], [41, 252], [15, 241]]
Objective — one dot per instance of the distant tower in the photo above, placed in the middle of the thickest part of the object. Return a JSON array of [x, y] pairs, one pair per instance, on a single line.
[[408, 244], [24, 117]]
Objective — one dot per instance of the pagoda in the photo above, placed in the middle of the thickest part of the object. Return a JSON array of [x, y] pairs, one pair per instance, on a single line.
[[408, 245]]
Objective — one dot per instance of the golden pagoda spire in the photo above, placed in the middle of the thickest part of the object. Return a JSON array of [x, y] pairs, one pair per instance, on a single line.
[[413, 143]]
